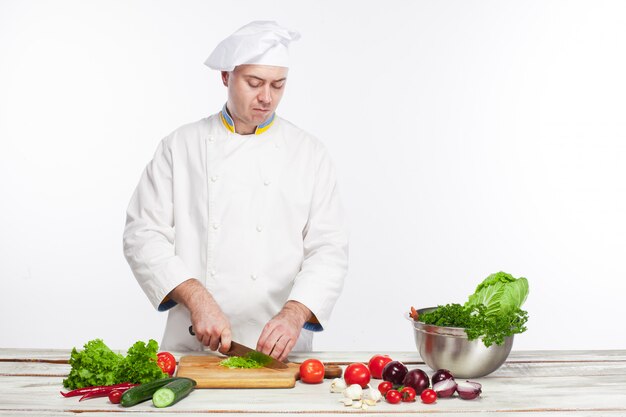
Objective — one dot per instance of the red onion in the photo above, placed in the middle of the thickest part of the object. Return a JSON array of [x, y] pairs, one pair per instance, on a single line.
[[416, 379], [468, 390], [440, 375], [445, 388], [394, 372]]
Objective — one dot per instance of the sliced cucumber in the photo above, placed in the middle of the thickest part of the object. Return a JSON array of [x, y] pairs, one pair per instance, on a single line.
[[173, 392]]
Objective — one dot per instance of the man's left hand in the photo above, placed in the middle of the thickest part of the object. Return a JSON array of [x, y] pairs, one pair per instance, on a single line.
[[280, 334]]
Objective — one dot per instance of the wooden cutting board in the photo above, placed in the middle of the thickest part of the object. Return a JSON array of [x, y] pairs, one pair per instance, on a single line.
[[208, 373]]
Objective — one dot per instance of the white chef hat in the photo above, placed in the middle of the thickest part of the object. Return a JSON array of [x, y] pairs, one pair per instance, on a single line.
[[258, 42]]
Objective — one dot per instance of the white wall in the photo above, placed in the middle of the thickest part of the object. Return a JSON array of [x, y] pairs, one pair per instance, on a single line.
[[470, 137]]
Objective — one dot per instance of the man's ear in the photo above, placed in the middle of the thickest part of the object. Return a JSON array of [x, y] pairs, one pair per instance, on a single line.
[[225, 77]]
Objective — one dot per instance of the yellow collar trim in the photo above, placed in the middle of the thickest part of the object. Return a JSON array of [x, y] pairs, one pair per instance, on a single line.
[[229, 123]]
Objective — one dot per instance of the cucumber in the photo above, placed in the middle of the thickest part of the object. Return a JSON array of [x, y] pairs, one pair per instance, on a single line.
[[173, 392], [144, 392]]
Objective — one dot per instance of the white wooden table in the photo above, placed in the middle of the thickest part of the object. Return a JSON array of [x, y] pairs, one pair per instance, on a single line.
[[537, 383]]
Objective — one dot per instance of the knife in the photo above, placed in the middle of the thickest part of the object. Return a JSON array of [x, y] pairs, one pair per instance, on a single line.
[[237, 349]]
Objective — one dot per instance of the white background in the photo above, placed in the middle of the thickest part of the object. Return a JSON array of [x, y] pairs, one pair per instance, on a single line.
[[469, 136]]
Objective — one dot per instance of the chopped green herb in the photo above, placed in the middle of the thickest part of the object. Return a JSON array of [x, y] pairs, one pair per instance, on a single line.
[[492, 312], [260, 358], [251, 360], [491, 328]]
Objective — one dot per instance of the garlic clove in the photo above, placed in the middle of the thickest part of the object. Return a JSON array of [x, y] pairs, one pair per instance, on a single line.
[[346, 401], [369, 402], [357, 404]]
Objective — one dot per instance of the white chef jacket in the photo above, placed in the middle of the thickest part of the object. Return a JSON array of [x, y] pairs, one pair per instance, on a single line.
[[256, 218]]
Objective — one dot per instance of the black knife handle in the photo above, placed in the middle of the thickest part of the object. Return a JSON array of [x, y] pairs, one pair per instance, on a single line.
[[191, 331]]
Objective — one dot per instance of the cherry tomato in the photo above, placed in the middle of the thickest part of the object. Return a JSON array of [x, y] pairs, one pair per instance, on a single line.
[[376, 365], [312, 371], [384, 387], [115, 396], [393, 396], [408, 394], [166, 362], [357, 373], [428, 396]]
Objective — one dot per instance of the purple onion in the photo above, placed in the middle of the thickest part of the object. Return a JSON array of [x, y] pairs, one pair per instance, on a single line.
[[441, 375], [445, 388], [468, 390], [394, 372], [416, 379]]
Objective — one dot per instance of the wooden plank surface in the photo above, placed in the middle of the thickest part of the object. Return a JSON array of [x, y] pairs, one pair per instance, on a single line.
[[372, 412], [412, 357], [544, 384], [208, 373], [507, 370], [521, 395]]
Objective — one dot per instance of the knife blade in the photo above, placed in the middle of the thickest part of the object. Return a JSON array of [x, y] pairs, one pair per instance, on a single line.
[[237, 349]]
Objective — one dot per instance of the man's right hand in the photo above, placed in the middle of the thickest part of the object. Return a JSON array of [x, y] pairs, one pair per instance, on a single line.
[[210, 325], [212, 328]]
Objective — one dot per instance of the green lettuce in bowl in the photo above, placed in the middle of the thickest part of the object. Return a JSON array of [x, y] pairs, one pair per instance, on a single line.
[[492, 313]]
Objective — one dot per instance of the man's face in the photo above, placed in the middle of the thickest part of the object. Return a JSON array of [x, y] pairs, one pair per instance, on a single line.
[[254, 92]]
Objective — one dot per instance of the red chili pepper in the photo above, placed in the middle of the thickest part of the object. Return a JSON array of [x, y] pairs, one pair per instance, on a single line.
[[85, 390], [105, 391]]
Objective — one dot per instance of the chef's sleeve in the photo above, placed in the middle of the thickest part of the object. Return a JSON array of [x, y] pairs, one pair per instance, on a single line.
[[325, 240], [149, 232]]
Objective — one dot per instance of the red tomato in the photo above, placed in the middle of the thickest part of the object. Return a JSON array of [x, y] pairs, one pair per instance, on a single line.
[[408, 394], [376, 365], [393, 396], [384, 387], [115, 396], [357, 373], [312, 371], [166, 362], [428, 396]]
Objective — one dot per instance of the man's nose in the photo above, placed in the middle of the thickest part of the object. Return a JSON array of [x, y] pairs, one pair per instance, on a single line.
[[265, 95]]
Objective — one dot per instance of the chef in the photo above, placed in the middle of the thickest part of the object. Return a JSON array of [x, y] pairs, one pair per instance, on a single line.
[[236, 226]]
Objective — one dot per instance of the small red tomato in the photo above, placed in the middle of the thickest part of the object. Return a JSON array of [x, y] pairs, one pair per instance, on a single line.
[[428, 396], [376, 365], [384, 387], [167, 362], [357, 373], [312, 371], [115, 396], [408, 394], [393, 396]]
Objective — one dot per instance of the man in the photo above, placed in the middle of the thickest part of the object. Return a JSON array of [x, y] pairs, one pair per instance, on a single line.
[[236, 226]]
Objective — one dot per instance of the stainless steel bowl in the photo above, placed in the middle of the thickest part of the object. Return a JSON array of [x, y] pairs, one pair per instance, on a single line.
[[448, 348]]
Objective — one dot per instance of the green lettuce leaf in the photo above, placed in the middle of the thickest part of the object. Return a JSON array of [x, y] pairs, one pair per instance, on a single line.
[[98, 365], [95, 365], [500, 293], [140, 364]]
